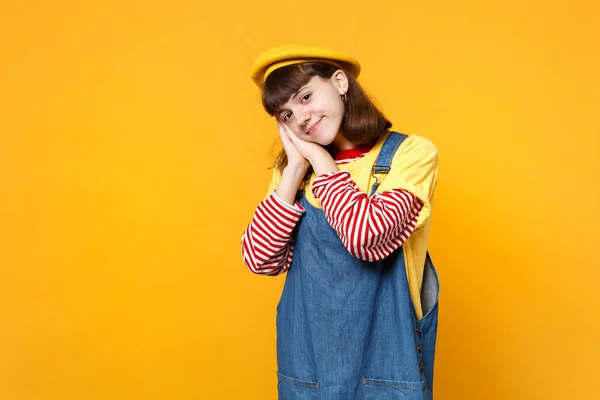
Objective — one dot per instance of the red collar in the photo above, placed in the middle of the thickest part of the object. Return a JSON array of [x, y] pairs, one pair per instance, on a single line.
[[355, 152]]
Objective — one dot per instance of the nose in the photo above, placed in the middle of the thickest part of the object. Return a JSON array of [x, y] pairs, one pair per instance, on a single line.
[[302, 117]]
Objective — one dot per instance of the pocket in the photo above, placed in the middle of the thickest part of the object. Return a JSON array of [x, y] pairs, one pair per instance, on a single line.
[[430, 288], [381, 389], [296, 389]]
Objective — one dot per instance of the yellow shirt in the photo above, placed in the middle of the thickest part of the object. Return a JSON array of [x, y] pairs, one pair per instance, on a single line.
[[414, 168]]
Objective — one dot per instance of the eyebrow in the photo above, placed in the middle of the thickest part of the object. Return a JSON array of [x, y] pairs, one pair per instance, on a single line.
[[293, 97], [299, 90]]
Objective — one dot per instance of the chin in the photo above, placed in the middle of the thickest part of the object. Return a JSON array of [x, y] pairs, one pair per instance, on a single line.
[[323, 138], [325, 143]]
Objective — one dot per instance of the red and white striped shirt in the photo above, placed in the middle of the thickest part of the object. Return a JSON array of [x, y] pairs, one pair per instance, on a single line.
[[370, 228]]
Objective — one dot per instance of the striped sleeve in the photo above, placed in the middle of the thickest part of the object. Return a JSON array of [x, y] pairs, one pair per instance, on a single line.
[[267, 245], [373, 227]]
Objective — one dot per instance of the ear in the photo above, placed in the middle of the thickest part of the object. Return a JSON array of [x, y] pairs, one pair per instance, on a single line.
[[340, 81]]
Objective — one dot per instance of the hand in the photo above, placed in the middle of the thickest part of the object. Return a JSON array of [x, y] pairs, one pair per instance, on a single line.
[[317, 155], [296, 160], [308, 150]]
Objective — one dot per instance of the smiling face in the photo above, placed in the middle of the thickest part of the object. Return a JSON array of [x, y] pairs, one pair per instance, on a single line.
[[315, 112], [310, 92]]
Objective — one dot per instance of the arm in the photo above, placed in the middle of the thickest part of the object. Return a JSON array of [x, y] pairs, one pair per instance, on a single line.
[[267, 245], [371, 228], [267, 248]]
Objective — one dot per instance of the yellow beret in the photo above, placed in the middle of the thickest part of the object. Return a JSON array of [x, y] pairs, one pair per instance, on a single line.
[[289, 54]]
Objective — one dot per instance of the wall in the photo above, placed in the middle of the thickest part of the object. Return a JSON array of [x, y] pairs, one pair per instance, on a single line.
[[134, 149]]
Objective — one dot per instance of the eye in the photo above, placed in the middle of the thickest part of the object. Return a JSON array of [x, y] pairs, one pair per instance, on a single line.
[[286, 116], [306, 96]]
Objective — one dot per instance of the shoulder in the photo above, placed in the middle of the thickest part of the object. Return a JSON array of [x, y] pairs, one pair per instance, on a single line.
[[414, 169], [415, 151], [417, 146]]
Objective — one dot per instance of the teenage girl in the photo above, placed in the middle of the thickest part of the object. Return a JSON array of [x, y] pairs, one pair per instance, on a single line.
[[347, 216]]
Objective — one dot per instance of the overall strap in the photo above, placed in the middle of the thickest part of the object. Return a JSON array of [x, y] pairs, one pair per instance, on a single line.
[[386, 155]]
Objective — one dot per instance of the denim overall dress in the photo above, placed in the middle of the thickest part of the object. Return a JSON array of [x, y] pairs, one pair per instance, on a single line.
[[347, 328]]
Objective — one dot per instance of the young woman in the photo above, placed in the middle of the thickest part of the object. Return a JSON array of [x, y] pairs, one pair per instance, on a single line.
[[347, 216]]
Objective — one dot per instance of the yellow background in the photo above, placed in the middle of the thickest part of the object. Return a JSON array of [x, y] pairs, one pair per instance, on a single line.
[[134, 149]]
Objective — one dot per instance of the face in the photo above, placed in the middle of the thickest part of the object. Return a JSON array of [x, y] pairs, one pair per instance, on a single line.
[[315, 112]]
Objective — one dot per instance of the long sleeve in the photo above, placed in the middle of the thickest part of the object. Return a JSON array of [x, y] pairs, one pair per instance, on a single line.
[[267, 245], [373, 227]]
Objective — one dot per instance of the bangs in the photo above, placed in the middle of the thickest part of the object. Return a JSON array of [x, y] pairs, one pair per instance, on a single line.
[[282, 83]]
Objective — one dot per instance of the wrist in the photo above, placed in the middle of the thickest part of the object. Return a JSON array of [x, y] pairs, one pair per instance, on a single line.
[[323, 163], [296, 172], [317, 155]]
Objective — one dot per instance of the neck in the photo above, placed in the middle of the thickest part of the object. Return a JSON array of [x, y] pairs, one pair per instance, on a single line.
[[341, 143]]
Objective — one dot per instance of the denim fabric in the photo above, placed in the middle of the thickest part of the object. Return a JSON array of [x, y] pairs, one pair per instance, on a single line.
[[347, 328]]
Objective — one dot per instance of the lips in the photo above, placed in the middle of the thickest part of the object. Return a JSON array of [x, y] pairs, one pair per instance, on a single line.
[[313, 128]]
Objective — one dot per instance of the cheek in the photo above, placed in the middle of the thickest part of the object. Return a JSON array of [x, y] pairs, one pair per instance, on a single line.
[[336, 106], [297, 131], [337, 111]]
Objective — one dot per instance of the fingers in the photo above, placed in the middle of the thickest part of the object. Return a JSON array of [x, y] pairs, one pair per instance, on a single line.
[[290, 135], [282, 133], [284, 129]]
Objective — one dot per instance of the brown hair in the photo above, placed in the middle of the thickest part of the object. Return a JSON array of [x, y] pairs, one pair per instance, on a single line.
[[362, 123]]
